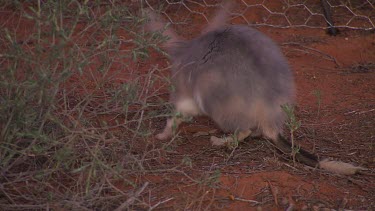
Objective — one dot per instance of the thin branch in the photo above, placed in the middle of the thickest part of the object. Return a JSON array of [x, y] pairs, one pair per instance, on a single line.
[[131, 200]]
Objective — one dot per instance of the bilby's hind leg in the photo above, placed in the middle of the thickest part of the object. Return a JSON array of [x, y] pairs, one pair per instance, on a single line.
[[227, 140], [185, 108]]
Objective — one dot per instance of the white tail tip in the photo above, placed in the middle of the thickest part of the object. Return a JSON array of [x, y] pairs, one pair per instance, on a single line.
[[339, 167]]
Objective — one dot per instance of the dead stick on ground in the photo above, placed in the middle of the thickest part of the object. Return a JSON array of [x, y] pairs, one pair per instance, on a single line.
[[247, 200], [274, 192], [327, 56], [132, 198], [159, 203]]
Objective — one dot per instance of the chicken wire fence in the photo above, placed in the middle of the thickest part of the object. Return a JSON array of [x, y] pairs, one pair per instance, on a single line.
[[348, 14]]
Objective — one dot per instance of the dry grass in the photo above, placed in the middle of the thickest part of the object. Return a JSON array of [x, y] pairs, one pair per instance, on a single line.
[[79, 104], [75, 110]]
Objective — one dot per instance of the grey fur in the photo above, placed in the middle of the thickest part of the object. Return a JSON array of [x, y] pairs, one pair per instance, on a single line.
[[237, 76]]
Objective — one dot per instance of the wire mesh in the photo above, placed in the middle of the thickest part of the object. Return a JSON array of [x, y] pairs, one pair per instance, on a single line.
[[349, 14]]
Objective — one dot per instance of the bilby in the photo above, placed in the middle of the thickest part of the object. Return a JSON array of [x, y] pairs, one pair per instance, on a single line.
[[237, 76]]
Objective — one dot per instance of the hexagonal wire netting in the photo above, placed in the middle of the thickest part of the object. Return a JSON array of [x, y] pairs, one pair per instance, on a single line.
[[350, 14]]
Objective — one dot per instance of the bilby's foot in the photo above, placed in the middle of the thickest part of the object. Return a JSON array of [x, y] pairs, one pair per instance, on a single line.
[[168, 130], [163, 136], [215, 141]]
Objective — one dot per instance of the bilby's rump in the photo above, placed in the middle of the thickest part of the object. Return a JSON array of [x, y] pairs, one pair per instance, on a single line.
[[237, 76]]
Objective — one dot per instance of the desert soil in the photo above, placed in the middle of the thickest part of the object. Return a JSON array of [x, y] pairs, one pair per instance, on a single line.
[[335, 80]]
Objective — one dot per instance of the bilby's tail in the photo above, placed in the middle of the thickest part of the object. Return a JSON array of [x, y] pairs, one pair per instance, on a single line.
[[312, 160]]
